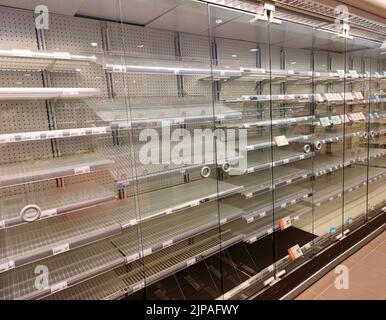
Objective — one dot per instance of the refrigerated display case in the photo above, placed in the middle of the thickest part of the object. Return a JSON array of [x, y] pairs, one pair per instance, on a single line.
[[184, 150]]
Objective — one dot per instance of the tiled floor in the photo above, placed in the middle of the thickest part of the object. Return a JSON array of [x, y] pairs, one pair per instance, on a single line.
[[366, 276]]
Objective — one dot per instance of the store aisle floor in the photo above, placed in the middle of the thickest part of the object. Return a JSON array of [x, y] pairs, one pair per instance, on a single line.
[[366, 276]]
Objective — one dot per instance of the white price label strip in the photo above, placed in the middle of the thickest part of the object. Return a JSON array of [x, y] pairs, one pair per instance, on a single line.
[[61, 249], [22, 53], [132, 258], [59, 286], [133, 222], [70, 91], [139, 286], [147, 252]]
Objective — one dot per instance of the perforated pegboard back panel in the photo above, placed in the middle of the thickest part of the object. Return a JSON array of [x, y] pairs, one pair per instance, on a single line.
[[73, 34], [17, 29]]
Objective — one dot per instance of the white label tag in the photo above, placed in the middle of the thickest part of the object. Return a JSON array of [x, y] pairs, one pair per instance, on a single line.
[[263, 214], [167, 244], [168, 211], [59, 286], [61, 249], [307, 246], [223, 221], [249, 220], [251, 240], [82, 170], [2, 224]]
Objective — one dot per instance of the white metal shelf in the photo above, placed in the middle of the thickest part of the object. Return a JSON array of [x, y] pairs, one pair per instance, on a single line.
[[54, 202], [328, 218], [42, 239], [38, 170], [30, 60], [47, 93]]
